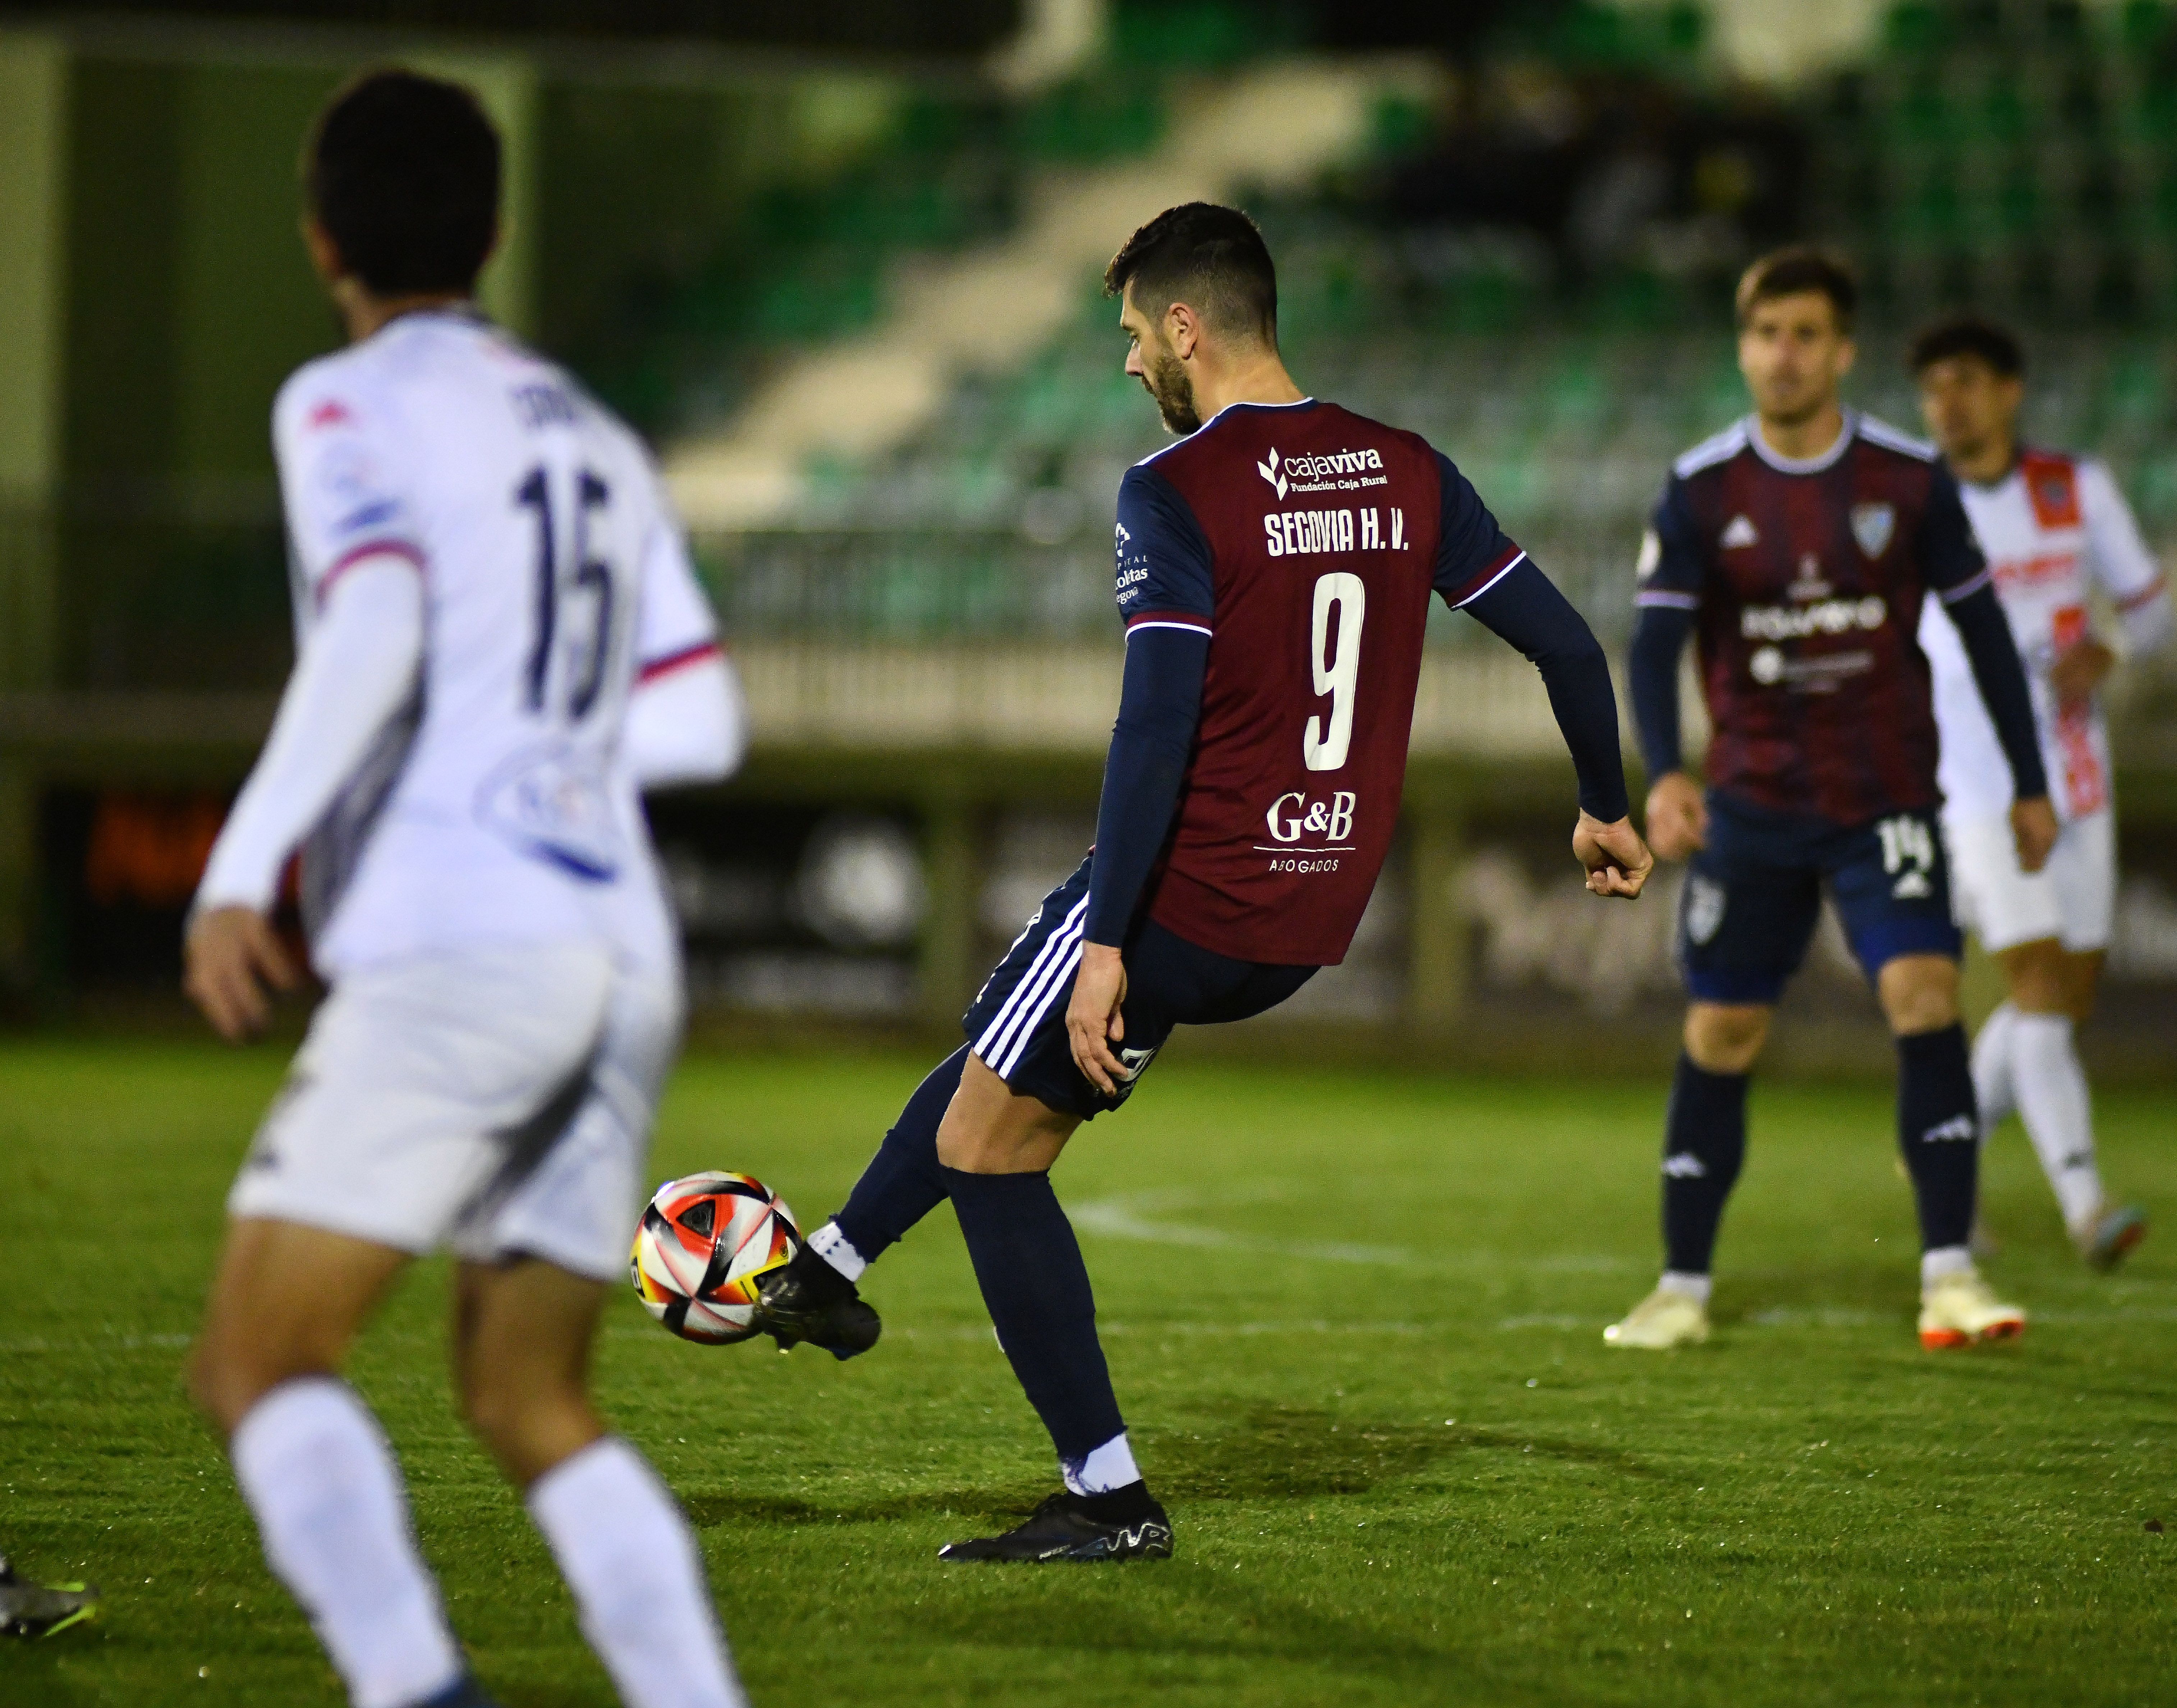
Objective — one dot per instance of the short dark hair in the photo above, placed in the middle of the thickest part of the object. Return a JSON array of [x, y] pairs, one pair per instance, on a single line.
[[402, 172], [1970, 334], [1800, 267], [1210, 257]]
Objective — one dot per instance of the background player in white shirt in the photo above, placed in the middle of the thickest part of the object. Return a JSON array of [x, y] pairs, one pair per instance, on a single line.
[[500, 641], [2056, 531]]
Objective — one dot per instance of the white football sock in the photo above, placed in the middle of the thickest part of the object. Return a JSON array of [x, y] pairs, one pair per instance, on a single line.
[[838, 1250], [1106, 1468], [1694, 1287], [2058, 1111], [628, 1554], [1944, 1260], [1994, 1089], [328, 1498]]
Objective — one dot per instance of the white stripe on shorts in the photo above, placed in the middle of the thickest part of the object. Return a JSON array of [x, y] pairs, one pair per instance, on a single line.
[[1051, 970], [998, 1034], [1057, 981]]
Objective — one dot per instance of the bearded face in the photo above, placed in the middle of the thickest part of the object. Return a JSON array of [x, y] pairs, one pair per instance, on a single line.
[[1167, 382]]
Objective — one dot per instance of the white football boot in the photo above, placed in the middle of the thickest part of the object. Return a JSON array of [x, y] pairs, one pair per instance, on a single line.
[[1667, 1317], [2105, 1239], [1961, 1309]]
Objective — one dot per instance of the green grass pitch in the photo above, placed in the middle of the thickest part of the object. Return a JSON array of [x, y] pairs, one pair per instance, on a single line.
[[1354, 1321]]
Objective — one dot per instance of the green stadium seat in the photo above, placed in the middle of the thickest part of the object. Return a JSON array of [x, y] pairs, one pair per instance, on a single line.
[[1914, 28]]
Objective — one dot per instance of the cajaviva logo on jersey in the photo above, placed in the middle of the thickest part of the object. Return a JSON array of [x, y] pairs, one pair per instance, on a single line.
[[1826, 617], [1333, 471]]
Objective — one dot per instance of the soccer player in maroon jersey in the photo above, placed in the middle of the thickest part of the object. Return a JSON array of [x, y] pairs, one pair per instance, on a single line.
[[1275, 571], [1798, 546]]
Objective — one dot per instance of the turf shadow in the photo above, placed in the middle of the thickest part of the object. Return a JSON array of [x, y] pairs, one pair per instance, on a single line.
[[1283, 1452], [1275, 1453], [714, 1508]]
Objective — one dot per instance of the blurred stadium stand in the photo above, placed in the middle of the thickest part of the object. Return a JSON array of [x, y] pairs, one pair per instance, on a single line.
[[840, 262]]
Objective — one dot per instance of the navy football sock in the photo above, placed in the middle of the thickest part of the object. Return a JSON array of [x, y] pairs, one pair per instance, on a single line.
[[904, 1181], [1036, 1287], [1938, 1130], [1703, 1146]]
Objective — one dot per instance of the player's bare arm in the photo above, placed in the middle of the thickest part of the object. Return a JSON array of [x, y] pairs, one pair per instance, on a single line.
[[232, 957]]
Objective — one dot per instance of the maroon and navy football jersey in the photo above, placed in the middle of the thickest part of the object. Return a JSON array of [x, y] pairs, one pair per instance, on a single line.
[[1806, 577], [1305, 540]]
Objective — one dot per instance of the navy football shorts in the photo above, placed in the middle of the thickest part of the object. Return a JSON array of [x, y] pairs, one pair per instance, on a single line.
[[1017, 1024], [1754, 896]]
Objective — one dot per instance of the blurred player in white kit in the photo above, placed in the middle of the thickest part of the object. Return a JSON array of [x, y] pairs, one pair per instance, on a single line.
[[500, 642], [2055, 531]]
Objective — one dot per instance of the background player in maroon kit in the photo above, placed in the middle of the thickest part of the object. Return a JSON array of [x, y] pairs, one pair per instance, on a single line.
[[1274, 569], [1798, 546]]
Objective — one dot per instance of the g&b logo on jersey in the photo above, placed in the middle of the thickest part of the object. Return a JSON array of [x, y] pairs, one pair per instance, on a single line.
[[1292, 814]]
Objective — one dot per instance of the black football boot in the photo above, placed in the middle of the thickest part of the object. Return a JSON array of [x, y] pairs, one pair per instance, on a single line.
[[807, 1300], [1126, 1524], [43, 1610]]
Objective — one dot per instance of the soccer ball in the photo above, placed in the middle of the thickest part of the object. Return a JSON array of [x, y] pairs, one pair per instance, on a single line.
[[702, 1249]]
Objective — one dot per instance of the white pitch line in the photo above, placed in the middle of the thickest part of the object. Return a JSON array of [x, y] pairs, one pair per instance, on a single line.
[[1122, 1219]]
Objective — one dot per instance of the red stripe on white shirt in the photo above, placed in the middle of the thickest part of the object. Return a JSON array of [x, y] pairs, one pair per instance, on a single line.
[[355, 555], [665, 666], [2146, 596]]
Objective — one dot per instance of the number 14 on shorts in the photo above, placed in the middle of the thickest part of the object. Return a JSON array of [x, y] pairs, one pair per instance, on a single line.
[[1908, 855]]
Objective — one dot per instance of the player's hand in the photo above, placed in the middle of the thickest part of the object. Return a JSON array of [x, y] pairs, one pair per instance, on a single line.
[[2033, 829], [2078, 671], [1677, 817], [229, 956], [1093, 1023], [1618, 861]]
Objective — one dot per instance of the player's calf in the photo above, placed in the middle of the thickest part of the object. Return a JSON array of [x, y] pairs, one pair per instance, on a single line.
[[521, 1347]]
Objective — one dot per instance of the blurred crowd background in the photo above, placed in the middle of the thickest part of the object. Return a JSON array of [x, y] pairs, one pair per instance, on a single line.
[[838, 260]]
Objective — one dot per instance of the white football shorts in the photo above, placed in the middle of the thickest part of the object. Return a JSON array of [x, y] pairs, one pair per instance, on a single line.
[[496, 1101], [2072, 898]]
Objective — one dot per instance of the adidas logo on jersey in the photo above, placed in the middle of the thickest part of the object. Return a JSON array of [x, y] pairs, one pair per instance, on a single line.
[[1738, 532]]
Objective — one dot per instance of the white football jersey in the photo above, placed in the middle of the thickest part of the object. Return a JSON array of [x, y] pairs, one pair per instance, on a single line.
[[494, 808], [2053, 528]]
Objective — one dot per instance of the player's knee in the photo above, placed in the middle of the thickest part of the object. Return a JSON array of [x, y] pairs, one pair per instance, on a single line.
[[1920, 993], [988, 1130], [974, 1148], [1726, 1038], [2036, 973]]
